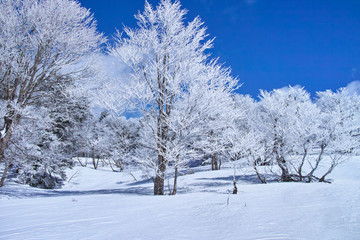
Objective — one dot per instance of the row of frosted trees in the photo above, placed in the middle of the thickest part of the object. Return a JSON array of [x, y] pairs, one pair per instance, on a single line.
[[185, 101]]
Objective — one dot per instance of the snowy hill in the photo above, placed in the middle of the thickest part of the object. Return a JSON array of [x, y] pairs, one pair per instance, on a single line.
[[100, 204]]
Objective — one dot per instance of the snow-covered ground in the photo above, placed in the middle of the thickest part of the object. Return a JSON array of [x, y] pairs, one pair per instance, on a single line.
[[100, 204]]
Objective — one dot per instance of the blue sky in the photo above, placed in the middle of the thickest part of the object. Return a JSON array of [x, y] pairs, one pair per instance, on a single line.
[[268, 43]]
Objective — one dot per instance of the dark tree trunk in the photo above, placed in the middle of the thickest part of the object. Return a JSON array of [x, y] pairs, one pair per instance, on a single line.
[[3, 177], [94, 160], [235, 190], [164, 101], [82, 164], [301, 177], [331, 168], [160, 176], [317, 163], [262, 179], [175, 181], [159, 185], [285, 176], [214, 162], [280, 160], [9, 124], [162, 139], [11, 120]]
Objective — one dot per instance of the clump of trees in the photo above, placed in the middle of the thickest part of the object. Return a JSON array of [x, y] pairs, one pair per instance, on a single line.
[[291, 133], [190, 110], [186, 103], [43, 43]]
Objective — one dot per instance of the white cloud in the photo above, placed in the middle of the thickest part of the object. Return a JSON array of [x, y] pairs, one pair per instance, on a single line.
[[353, 87], [287, 88]]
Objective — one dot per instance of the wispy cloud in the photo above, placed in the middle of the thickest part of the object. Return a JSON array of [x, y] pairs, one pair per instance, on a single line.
[[287, 88], [354, 71], [353, 87]]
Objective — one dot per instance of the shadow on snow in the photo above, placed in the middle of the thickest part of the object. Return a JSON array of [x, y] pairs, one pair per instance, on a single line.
[[29, 192]]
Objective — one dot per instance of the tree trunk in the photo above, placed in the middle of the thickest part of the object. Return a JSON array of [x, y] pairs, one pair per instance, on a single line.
[[162, 138], [262, 179], [331, 168], [310, 175], [285, 176], [235, 190], [280, 160], [11, 120], [160, 176], [159, 185], [95, 162], [82, 164], [175, 181], [301, 177], [214, 162], [3, 177], [6, 134]]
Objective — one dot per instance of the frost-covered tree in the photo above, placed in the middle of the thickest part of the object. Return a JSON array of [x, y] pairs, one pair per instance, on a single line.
[[35, 154], [41, 41], [47, 137], [93, 139], [215, 110], [278, 118], [239, 137], [340, 124], [201, 117], [164, 55], [121, 137], [69, 110], [295, 137], [286, 125], [108, 139]]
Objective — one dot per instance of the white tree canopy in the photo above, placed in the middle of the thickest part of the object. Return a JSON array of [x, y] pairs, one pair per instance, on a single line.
[[41, 43], [167, 59]]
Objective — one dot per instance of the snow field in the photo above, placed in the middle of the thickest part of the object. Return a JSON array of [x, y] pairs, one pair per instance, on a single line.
[[99, 204]]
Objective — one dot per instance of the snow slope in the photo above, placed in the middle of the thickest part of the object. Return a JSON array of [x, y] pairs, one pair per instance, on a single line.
[[100, 204]]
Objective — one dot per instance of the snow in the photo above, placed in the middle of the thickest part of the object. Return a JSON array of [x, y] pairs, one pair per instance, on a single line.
[[100, 204]]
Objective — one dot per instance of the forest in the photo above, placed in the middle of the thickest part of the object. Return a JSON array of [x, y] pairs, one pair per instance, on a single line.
[[172, 107]]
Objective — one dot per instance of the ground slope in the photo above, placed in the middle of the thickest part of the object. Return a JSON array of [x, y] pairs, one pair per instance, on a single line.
[[99, 204]]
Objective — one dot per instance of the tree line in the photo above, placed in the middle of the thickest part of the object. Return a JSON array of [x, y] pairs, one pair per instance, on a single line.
[[186, 101]]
